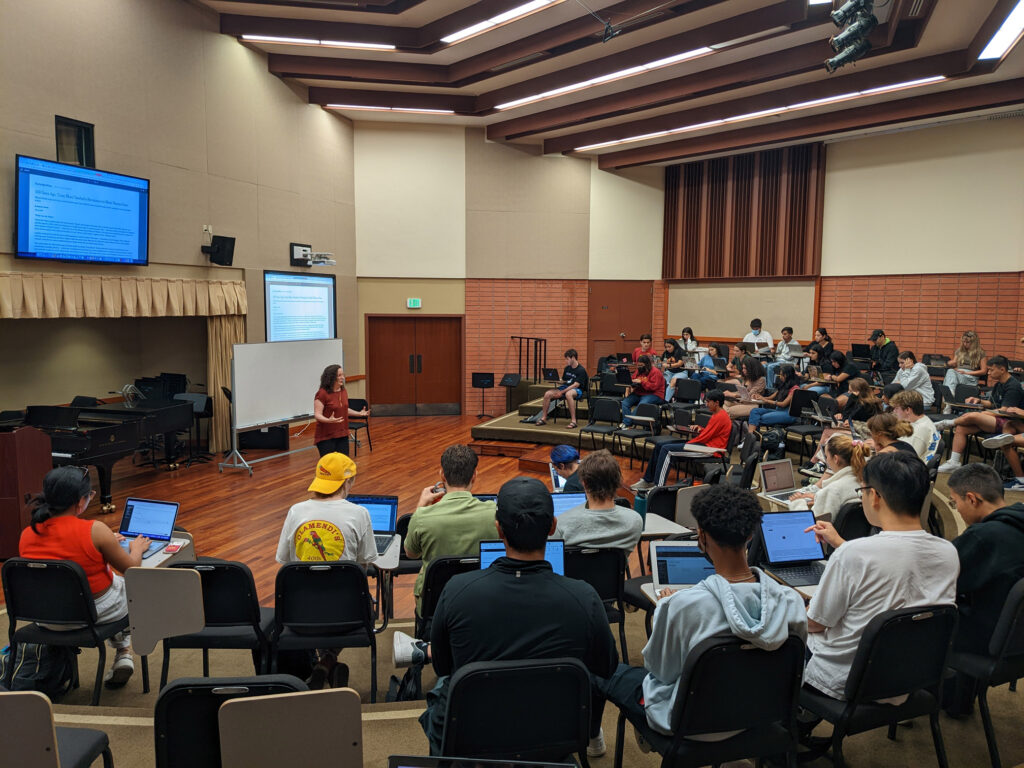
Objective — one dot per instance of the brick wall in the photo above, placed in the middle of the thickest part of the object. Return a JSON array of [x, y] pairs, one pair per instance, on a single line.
[[927, 313], [659, 320], [497, 309]]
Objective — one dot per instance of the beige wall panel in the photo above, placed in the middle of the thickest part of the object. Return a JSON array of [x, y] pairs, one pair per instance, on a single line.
[[943, 199], [626, 222], [527, 215], [233, 212], [724, 310], [231, 108], [179, 206], [410, 187]]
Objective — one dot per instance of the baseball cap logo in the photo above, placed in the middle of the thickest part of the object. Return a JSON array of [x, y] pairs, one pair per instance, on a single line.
[[323, 471]]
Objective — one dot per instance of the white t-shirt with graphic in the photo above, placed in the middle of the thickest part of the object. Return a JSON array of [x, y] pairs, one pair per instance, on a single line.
[[324, 530]]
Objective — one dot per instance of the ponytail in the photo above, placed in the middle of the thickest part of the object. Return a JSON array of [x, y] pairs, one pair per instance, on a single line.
[[63, 487]]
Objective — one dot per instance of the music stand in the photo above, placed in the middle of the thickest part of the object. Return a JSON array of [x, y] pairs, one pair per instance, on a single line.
[[510, 381], [483, 381]]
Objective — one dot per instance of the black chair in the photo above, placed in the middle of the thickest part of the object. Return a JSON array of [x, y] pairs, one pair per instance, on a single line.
[[809, 434], [765, 712], [648, 418], [323, 605], [609, 386], [850, 522], [185, 722], [901, 653], [1003, 664], [605, 571], [55, 592], [406, 564], [687, 392], [354, 425], [935, 359], [605, 414], [681, 418], [439, 572], [547, 700], [234, 618], [29, 737]]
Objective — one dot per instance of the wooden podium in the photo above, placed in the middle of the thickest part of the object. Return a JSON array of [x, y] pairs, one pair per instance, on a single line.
[[24, 461]]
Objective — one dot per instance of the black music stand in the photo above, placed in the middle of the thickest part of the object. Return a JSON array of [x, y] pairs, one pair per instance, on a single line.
[[483, 381], [510, 381]]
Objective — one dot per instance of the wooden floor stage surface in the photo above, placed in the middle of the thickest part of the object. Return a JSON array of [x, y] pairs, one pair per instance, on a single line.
[[238, 517]]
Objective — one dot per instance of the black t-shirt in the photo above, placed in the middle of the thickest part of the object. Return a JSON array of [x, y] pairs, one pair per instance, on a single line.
[[857, 410], [573, 484], [1007, 394], [853, 372], [577, 375]]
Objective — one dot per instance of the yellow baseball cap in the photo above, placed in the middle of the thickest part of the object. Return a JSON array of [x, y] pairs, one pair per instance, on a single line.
[[332, 471]]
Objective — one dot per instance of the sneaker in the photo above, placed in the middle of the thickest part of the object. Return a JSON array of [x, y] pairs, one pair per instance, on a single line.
[[945, 424], [120, 671], [949, 466], [641, 485], [623, 425], [998, 441], [1014, 485], [408, 650], [596, 748]]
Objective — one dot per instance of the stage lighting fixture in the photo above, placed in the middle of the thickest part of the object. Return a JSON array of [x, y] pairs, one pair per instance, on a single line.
[[858, 30], [849, 8], [848, 56]]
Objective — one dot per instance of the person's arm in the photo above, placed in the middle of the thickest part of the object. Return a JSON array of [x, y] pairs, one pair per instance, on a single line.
[[413, 545], [108, 545], [318, 414], [367, 551], [974, 555], [782, 404], [917, 377], [716, 428], [670, 641], [602, 654], [364, 412]]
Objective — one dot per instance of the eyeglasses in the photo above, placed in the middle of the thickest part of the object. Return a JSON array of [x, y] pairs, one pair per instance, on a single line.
[[85, 471], [861, 489]]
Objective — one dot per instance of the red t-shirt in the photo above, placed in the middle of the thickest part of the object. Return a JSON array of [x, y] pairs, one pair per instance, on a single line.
[[640, 351], [67, 538], [716, 433], [335, 404]]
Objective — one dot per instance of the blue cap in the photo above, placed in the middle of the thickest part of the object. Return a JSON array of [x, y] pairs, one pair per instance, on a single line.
[[564, 454]]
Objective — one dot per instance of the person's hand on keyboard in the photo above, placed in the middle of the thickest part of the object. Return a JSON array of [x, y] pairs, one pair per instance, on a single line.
[[826, 533], [139, 545]]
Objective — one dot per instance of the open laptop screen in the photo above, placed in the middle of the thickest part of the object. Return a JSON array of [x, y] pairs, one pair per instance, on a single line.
[[684, 564], [554, 553], [777, 476], [557, 481], [564, 501], [785, 540], [145, 517], [383, 511]]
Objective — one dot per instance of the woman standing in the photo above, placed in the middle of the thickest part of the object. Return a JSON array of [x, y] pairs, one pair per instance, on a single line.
[[331, 411]]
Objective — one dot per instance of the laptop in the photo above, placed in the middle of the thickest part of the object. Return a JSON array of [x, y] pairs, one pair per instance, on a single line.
[[778, 482], [860, 351], [148, 517], [486, 497], [383, 515], [626, 358], [557, 481], [676, 565], [792, 556], [566, 501], [408, 761], [814, 371], [551, 374], [796, 349], [554, 553]]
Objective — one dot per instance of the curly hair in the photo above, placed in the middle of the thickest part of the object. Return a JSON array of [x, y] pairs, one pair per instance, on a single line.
[[727, 514], [328, 376]]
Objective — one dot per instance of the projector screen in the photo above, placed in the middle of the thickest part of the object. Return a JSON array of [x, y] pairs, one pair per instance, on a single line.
[[69, 213], [299, 306]]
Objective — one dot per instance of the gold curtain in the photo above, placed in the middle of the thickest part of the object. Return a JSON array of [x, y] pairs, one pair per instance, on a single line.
[[222, 331]]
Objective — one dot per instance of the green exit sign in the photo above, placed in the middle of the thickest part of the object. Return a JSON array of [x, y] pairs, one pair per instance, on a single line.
[[414, 303]]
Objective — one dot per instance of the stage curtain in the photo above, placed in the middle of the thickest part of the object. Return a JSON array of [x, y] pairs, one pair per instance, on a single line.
[[222, 331]]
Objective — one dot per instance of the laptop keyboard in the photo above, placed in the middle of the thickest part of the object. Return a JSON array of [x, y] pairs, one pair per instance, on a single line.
[[383, 540], [153, 548], [801, 575]]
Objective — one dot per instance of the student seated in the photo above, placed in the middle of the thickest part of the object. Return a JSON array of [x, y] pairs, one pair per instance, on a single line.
[[646, 343], [449, 521], [705, 371], [688, 341], [887, 392], [752, 379], [737, 601], [861, 402], [816, 357], [714, 435], [840, 374], [909, 407], [757, 338], [566, 461], [775, 411], [783, 354], [824, 341], [673, 360], [890, 434], [1006, 395], [899, 567], [648, 387], [884, 353], [967, 365], [57, 532], [576, 382], [845, 462], [600, 523], [517, 609], [914, 375]]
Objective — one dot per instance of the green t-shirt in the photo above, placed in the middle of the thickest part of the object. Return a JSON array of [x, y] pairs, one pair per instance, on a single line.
[[453, 526]]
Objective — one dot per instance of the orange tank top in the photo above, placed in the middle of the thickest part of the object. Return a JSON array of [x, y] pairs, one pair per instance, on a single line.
[[68, 538]]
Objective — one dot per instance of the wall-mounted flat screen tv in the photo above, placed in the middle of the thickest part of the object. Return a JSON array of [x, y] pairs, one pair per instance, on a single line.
[[70, 213]]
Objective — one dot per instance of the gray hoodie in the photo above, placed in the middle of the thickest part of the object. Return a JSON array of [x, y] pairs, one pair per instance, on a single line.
[[764, 613]]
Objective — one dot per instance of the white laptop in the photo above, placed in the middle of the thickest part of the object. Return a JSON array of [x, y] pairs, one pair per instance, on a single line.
[[778, 481], [676, 565], [557, 481]]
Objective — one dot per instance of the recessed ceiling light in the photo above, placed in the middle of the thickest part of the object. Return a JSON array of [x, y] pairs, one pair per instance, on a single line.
[[415, 110], [275, 40], [1007, 35], [502, 18]]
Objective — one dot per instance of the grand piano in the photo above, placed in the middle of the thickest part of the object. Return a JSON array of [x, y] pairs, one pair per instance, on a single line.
[[101, 435]]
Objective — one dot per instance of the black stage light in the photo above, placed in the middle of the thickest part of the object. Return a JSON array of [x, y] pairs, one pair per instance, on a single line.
[[843, 15], [859, 29], [848, 56]]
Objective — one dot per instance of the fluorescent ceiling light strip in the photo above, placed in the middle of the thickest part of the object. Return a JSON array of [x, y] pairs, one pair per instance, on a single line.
[[347, 44], [819, 2], [622, 73], [766, 112], [282, 40], [325, 43], [390, 109], [502, 18], [1007, 35]]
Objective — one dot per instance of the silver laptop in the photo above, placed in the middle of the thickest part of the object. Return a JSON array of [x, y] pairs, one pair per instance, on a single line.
[[151, 518], [796, 349], [778, 481], [557, 481], [676, 565]]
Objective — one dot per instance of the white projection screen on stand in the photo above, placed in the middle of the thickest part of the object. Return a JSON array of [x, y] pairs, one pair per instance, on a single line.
[[274, 383], [299, 306]]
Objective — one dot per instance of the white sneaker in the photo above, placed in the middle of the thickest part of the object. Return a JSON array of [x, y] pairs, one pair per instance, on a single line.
[[1014, 485], [641, 485], [596, 746], [408, 650], [945, 424], [120, 671], [998, 441], [949, 466]]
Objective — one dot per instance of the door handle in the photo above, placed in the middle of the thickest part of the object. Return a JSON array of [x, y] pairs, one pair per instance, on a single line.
[[419, 363], [411, 369]]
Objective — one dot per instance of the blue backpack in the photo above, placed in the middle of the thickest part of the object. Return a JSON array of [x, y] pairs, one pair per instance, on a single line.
[[49, 669]]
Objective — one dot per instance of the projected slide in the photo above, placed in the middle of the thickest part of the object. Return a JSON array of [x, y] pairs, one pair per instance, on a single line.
[[299, 307]]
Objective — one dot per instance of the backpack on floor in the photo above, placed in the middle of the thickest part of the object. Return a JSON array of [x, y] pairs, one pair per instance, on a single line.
[[409, 688], [49, 669], [774, 445]]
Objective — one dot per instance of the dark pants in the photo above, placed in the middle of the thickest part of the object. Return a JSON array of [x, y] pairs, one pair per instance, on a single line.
[[625, 690], [333, 445], [657, 456]]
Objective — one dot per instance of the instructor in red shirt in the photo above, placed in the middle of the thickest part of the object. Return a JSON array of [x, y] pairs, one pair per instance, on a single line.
[[330, 408]]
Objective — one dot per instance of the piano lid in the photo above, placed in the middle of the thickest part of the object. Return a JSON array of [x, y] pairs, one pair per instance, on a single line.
[[52, 416]]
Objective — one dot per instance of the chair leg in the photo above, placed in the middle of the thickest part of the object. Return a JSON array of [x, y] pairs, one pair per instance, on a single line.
[[620, 735], [892, 731], [940, 747], [837, 749], [369, 442], [101, 648], [640, 557], [373, 671], [1013, 686], [108, 758], [622, 634], [165, 667], [990, 731], [145, 674], [206, 662]]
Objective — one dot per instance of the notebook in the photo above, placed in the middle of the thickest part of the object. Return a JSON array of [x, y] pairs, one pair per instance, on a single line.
[[383, 515], [791, 555], [565, 501], [676, 565], [778, 482], [554, 553], [147, 517]]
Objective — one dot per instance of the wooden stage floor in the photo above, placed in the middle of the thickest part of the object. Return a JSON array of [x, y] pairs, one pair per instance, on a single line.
[[237, 517]]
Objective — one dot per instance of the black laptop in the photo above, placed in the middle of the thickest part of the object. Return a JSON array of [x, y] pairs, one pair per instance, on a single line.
[[792, 556], [860, 351], [551, 374]]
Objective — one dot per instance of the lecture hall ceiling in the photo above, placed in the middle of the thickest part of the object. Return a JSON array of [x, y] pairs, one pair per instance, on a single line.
[[635, 82]]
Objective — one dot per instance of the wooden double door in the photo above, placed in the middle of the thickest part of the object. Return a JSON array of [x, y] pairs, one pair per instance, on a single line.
[[414, 364], [618, 312]]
